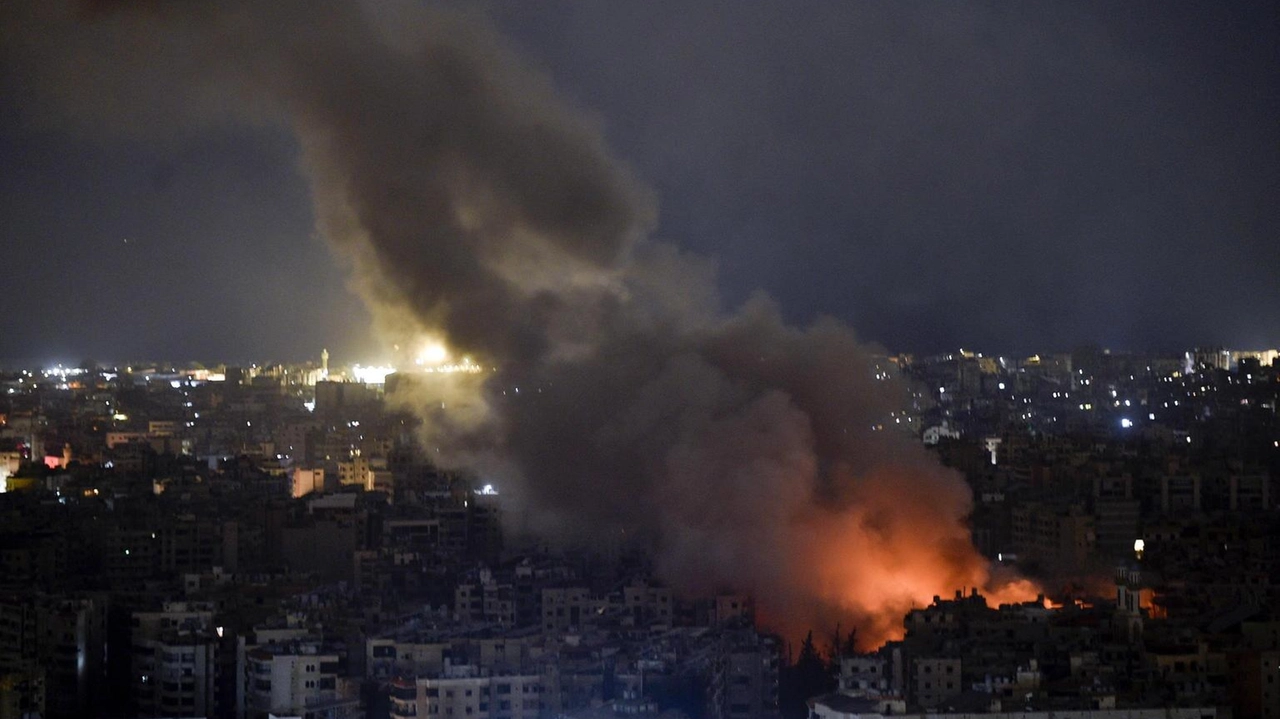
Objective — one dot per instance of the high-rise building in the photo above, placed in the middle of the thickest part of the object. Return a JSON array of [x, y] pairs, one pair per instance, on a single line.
[[174, 661], [59, 642], [466, 691], [296, 678]]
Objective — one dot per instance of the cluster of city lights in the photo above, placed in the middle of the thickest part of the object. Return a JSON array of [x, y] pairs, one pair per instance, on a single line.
[[433, 358], [62, 372], [465, 366], [373, 374], [377, 374]]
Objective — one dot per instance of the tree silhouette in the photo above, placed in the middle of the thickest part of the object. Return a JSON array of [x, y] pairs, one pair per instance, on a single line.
[[807, 678], [842, 645]]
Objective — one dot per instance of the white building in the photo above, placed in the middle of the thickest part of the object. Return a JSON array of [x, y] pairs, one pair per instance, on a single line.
[[836, 706], [935, 434], [864, 675], [295, 679], [368, 472], [463, 692]]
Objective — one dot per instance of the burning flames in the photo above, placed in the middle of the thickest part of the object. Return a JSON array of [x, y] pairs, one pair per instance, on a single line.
[[464, 366], [890, 540], [474, 204], [435, 357], [874, 566]]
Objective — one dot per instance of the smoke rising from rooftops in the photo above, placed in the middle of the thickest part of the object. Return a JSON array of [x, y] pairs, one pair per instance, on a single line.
[[475, 205]]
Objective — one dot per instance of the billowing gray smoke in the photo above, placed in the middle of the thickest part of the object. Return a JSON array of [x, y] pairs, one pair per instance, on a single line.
[[477, 208]]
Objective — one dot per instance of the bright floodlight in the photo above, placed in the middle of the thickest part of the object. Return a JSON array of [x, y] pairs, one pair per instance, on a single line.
[[371, 375], [433, 353]]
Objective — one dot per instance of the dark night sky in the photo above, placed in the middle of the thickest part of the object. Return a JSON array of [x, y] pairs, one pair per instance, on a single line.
[[1010, 177]]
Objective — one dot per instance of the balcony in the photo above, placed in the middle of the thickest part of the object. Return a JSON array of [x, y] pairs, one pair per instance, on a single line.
[[322, 699], [404, 711]]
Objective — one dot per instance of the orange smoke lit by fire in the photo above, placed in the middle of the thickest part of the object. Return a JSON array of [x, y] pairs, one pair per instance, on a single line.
[[1147, 601], [1077, 603], [890, 550]]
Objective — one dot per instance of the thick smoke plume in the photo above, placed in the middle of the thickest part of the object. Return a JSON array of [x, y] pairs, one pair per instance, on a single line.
[[477, 208]]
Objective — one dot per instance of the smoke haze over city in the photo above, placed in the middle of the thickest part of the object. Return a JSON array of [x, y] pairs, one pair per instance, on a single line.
[[377, 359], [1009, 178], [477, 209]]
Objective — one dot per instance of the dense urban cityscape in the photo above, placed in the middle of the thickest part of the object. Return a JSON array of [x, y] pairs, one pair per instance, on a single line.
[[457, 359], [273, 540]]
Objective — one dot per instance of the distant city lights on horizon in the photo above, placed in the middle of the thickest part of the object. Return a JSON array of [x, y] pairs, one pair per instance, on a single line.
[[377, 374], [372, 374]]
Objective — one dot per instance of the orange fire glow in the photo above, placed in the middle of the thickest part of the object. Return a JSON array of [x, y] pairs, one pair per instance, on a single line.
[[1147, 601], [891, 550]]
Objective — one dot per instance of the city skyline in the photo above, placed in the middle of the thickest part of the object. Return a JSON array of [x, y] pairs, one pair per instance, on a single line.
[[1022, 179], [341, 368], [735, 361]]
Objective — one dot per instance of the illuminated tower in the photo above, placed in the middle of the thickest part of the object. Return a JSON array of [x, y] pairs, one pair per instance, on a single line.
[[324, 363]]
